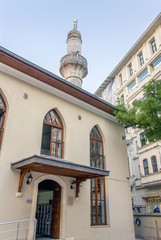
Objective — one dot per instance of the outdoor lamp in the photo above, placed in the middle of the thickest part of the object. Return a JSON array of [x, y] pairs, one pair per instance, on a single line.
[[29, 179]]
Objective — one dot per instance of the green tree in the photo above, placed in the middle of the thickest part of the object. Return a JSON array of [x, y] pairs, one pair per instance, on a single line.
[[145, 113]]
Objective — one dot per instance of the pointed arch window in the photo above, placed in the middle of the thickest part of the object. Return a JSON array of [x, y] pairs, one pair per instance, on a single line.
[[52, 136], [98, 200], [2, 117]]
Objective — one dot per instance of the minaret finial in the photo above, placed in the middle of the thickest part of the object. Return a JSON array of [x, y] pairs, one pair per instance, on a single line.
[[75, 24]]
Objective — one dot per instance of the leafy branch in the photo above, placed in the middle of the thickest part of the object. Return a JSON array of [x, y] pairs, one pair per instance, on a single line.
[[145, 113]]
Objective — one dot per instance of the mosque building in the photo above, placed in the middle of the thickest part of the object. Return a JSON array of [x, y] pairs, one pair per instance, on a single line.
[[64, 166]]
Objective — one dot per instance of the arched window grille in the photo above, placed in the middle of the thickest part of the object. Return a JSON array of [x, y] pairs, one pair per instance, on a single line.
[[52, 136], [2, 117], [98, 198]]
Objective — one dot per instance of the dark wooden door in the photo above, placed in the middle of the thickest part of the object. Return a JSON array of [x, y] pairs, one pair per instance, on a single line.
[[55, 229]]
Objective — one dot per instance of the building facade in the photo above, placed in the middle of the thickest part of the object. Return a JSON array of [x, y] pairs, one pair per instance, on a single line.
[[141, 64], [58, 155]]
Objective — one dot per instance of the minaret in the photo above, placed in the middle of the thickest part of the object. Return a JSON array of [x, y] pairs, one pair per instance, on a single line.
[[73, 66]]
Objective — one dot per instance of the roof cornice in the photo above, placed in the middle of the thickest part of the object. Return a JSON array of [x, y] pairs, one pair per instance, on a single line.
[[14, 61]]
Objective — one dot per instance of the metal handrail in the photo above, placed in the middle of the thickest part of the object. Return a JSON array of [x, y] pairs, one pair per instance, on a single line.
[[20, 231], [24, 220]]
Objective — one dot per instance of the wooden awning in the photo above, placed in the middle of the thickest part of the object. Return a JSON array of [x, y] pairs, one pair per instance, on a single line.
[[55, 166]]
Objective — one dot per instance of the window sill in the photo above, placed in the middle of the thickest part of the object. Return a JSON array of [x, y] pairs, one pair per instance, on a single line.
[[150, 174], [100, 226]]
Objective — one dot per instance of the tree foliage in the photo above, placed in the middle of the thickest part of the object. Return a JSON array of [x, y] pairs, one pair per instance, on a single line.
[[145, 113]]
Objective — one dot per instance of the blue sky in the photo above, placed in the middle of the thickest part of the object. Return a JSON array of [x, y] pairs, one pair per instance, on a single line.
[[37, 30]]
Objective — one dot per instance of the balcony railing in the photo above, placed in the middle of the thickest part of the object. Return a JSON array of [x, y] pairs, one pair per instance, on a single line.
[[73, 58]]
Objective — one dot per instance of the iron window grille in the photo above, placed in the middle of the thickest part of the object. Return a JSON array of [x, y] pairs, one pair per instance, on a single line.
[[52, 136]]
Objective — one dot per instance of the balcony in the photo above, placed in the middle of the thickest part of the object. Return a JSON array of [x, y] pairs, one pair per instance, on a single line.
[[150, 180], [73, 58]]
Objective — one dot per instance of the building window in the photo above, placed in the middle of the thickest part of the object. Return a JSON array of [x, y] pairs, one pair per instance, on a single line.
[[98, 202], [146, 168], [127, 130], [153, 45], [120, 80], [154, 164], [142, 139], [2, 117], [141, 59], [122, 99], [155, 64], [52, 136], [132, 86], [130, 69], [142, 76]]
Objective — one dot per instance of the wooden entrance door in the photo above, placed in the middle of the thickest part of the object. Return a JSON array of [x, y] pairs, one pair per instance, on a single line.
[[55, 229]]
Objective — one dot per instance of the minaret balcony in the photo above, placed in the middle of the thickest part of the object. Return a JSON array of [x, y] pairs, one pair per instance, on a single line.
[[74, 58]]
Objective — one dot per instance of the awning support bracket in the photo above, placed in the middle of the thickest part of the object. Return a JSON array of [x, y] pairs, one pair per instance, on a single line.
[[78, 182], [22, 175]]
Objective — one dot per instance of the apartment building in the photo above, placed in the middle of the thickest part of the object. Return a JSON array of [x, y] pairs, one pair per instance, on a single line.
[[141, 64]]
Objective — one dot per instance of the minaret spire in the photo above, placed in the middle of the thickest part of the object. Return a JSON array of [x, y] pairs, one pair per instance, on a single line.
[[73, 66]]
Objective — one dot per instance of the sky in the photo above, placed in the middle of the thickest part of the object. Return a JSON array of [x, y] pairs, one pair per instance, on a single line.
[[37, 30]]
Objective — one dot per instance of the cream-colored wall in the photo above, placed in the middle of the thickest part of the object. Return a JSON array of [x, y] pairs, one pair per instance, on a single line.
[[119, 213], [22, 138]]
